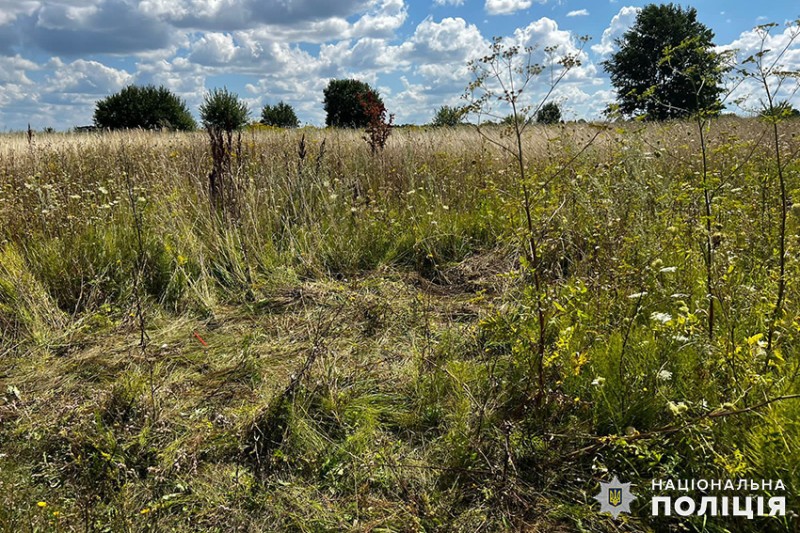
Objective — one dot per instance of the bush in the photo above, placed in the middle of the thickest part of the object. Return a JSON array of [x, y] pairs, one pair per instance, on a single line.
[[781, 110], [550, 113], [146, 107], [448, 116], [280, 115], [343, 103], [222, 110]]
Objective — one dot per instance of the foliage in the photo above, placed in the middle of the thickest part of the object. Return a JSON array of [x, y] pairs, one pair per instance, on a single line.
[[666, 66], [414, 293], [467, 333], [342, 100], [378, 127], [550, 113], [281, 115], [147, 107], [447, 116], [223, 110], [780, 110], [223, 113]]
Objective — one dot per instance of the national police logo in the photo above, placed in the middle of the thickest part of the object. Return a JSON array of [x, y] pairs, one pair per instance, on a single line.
[[615, 497]]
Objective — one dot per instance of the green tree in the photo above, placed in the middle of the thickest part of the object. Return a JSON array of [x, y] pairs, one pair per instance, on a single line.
[[448, 116], [655, 72], [224, 111], [343, 103], [147, 107], [549, 113], [281, 115]]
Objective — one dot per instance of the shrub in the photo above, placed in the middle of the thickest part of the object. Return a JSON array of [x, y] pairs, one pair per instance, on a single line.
[[448, 116], [378, 128], [549, 113], [281, 115], [222, 110], [343, 103], [222, 113], [146, 107]]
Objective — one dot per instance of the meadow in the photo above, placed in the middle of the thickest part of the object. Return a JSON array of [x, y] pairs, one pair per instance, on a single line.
[[367, 343]]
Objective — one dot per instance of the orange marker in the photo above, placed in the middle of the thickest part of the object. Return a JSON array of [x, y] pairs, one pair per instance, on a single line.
[[204, 343]]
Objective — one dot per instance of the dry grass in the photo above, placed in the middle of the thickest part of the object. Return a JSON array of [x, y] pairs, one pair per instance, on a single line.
[[402, 273]]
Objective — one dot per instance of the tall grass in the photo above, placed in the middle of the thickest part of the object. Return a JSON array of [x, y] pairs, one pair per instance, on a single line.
[[402, 272]]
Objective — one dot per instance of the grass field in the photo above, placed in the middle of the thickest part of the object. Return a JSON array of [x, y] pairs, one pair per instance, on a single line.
[[366, 345]]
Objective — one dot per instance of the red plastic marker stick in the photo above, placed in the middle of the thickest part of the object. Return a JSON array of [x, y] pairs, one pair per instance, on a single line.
[[204, 343]]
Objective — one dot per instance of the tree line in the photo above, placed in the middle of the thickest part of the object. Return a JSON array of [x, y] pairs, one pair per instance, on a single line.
[[348, 104], [665, 67]]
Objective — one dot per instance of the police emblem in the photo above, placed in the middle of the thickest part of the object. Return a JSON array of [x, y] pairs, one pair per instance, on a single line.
[[615, 497]]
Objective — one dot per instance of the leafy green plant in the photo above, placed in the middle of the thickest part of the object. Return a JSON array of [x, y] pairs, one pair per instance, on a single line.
[[223, 114], [447, 116], [280, 115], [550, 113], [147, 107], [342, 101]]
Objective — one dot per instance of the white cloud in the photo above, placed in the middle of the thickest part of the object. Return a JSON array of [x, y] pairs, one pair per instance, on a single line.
[[749, 43], [88, 78], [619, 25], [579, 13], [14, 70], [506, 7], [449, 2]]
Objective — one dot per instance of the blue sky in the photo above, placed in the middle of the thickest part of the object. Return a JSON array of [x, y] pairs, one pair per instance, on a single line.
[[59, 57]]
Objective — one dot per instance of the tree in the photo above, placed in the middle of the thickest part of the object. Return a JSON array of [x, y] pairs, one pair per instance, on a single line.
[[222, 110], [280, 115], [550, 113], [223, 113], [666, 66], [147, 107], [343, 106], [448, 116]]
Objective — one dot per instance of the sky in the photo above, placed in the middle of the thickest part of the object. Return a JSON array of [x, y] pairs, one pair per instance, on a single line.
[[58, 57]]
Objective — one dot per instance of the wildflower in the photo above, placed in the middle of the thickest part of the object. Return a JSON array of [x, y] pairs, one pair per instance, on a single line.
[[664, 375], [144, 511], [42, 504], [56, 513], [668, 269], [677, 408], [661, 317], [637, 295], [598, 381]]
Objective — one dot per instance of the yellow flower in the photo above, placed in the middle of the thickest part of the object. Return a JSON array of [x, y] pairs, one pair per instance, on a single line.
[[42, 504], [144, 511], [56, 513]]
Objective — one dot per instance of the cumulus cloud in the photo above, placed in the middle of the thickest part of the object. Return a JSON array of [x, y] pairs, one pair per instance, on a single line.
[[621, 22], [231, 15], [579, 13], [267, 50], [94, 26], [782, 54], [506, 7]]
